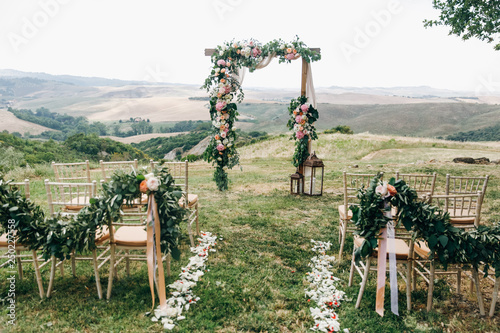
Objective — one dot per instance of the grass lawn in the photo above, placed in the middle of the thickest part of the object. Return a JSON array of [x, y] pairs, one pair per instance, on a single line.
[[256, 279]]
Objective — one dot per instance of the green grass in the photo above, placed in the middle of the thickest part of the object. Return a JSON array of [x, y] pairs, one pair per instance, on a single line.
[[256, 279]]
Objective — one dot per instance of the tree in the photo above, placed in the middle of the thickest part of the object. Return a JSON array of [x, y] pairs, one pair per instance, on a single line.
[[470, 18]]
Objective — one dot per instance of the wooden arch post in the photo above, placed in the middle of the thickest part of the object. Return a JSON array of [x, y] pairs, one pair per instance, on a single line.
[[303, 89]]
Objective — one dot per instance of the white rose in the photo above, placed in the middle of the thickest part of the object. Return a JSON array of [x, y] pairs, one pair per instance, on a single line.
[[219, 158], [223, 135], [149, 175], [229, 144], [282, 46], [217, 70], [225, 142], [153, 183]]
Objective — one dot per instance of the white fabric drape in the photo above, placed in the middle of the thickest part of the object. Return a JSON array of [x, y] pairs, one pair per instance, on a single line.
[[310, 91]]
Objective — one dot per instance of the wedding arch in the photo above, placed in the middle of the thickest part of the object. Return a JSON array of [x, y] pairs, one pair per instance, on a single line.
[[230, 63]]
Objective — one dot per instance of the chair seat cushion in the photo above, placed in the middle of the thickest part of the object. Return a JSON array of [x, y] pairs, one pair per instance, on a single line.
[[342, 213], [402, 248], [422, 249], [192, 200], [131, 236], [5, 243], [73, 208], [461, 217], [102, 234]]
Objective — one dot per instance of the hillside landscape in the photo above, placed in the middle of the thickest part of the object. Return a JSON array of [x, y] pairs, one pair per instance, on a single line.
[[407, 111]]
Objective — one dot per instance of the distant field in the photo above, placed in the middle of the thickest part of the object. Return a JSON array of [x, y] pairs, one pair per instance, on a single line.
[[423, 119], [142, 137], [12, 124]]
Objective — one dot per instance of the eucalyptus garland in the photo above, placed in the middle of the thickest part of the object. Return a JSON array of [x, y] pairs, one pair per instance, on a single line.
[[224, 87], [451, 245], [61, 235], [302, 118]]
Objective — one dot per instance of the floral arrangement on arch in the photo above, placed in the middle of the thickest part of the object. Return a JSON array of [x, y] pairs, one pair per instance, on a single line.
[[302, 118], [224, 88]]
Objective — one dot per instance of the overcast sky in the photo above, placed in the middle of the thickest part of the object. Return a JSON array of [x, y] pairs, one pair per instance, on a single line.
[[364, 43]]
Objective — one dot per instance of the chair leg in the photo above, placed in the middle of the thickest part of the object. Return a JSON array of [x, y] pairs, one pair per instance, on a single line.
[[431, 287], [409, 273], [111, 270], [96, 272], [363, 283], [52, 275], [37, 274], [190, 233], [197, 223], [351, 272], [475, 276], [168, 264], [342, 240], [495, 297], [414, 276], [127, 262], [19, 265], [61, 267], [73, 263]]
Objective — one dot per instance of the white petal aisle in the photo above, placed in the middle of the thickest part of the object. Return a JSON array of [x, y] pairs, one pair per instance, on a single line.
[[182, 293], [322, 290]]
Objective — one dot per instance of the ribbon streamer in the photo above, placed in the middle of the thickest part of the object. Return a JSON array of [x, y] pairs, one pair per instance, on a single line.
[[393, 273], [387, 241], [153, 253]]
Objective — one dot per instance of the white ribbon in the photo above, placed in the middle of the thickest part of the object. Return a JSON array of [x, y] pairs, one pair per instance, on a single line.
[[393, 273]]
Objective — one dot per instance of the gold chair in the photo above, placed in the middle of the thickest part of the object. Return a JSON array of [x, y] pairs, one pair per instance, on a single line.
[[128, 234], [68, 199], [404, 255], [180, 173], [14, 250], [465, 212], [352, 182], [72, 172]]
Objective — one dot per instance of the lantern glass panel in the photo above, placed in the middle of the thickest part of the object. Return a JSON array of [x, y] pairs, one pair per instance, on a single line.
[[317, 181]]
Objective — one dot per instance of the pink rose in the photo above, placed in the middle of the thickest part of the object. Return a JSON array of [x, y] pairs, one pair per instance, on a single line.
[[221, 62], [256, 52], [222, 90], [220, 105], [223, 135], [298, 119], [227, 89], [220, 147], [299, 135], [304, 108], [290, 56], [226, 129]]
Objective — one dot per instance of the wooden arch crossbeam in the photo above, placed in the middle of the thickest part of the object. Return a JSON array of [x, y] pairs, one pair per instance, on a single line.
[[210, 52]]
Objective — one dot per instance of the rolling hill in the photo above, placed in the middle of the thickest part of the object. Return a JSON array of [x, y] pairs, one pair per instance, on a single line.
[[411, 111]]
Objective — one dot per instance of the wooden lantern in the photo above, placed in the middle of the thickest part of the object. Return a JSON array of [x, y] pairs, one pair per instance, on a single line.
[[314, 170], [296, 183]]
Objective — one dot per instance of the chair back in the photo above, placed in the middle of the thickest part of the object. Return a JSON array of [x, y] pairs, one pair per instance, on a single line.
[[466, 185], [24, 187], [180, 173], [72, 172], [69, 197], [108, 168], [129, 217], [464, 209], [353, 182], [423, 184]]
